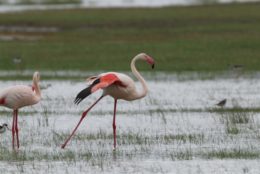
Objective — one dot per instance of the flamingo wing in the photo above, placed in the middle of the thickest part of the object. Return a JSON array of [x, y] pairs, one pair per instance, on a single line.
[[99, 83], [91, 79]]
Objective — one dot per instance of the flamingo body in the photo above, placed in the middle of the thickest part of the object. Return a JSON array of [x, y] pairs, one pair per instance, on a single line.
[[18, 96], [124, 88], [116, 85]]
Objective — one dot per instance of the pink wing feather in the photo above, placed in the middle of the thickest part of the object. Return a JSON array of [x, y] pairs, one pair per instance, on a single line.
[[100, 83]]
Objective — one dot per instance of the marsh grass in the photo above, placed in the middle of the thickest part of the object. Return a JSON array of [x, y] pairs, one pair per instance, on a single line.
[[136, 139], [233, 120], [185, 138], [32, 155], [233, 153], [179, 38], [182, 155], [237, 115], [231, 128], [31, 2], [45, 116]]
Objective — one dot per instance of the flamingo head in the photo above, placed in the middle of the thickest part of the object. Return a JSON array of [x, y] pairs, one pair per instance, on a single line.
[[5, 125], [36, 76], [147, 58]]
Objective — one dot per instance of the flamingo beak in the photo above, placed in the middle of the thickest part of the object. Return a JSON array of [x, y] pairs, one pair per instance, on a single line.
[[149, 60]]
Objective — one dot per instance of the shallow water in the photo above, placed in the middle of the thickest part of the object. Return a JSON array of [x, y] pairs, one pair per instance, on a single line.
[[176, 128]]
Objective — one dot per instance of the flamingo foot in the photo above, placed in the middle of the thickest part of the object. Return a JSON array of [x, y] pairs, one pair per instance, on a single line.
[[63, 146]]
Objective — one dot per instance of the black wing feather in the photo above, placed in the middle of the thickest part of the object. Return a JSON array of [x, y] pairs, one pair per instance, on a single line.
[[85, 92]]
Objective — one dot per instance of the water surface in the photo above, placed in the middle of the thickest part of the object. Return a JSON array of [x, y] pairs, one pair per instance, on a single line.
[[176, 127]]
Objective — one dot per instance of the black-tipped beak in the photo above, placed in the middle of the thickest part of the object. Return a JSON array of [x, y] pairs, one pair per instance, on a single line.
[[152, 66]]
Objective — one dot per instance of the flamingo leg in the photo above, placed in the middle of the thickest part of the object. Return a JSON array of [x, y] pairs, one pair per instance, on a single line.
[[13, 129], [114, 123], [16, 128], [82, 117]]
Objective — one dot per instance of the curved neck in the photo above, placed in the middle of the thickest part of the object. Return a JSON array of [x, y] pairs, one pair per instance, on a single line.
[[143, 92], [36, 87]]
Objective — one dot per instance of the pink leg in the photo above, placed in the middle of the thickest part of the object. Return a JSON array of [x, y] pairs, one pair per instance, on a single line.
[[82, 117], [13, 128], [114, 124], [16, 128]]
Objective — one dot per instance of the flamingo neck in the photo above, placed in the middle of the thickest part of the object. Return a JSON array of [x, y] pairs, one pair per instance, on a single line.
[[36, 87], [144, 90]]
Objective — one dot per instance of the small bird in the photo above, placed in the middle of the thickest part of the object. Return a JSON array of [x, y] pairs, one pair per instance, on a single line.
[[222, 103], [237, 70], [3, 128], [17, 60], [16, 97], [236, 67], [118, 86]]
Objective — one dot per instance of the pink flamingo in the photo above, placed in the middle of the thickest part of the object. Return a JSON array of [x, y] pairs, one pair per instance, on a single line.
[[118, 86], [18, 96]]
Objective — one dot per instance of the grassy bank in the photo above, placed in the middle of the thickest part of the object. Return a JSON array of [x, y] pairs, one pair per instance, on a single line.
[[198, 38]]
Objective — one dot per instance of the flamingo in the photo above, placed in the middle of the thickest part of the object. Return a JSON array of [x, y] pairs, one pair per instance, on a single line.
[[118, 86], [16, 97]]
